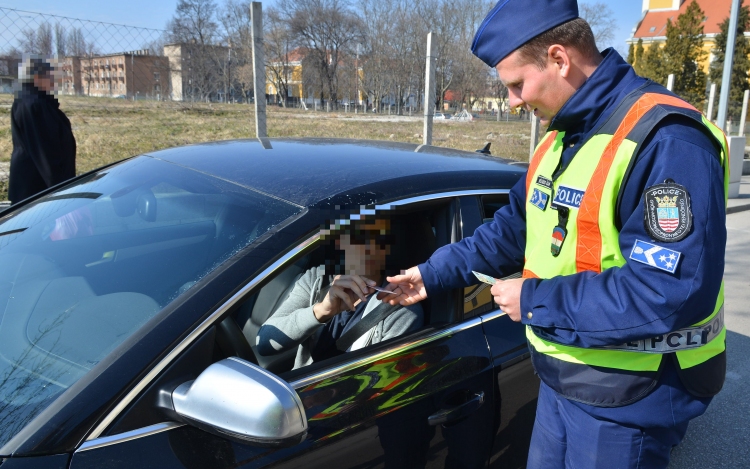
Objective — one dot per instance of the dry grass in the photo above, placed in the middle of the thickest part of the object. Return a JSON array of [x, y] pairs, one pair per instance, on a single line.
[[108, 130]]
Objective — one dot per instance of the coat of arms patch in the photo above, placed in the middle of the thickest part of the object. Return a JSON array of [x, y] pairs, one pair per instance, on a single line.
[[666, 212]]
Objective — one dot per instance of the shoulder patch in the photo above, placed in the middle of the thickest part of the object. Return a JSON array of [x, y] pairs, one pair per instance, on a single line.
[[539, 199], [655, 256], [667, 215]]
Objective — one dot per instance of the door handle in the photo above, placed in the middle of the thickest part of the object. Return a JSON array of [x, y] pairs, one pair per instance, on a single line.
[[458, 412]]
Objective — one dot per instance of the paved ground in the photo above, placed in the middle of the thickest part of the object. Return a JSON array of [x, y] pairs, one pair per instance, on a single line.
[[721, 437]]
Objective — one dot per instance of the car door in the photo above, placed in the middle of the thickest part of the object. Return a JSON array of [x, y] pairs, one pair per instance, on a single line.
[[516, 384], [422, 400]]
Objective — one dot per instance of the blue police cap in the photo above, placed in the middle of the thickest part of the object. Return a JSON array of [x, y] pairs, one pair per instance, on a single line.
[[513, 23]]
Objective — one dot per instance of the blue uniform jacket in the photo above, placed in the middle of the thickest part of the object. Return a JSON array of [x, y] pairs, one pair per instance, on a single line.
[[634, 301]]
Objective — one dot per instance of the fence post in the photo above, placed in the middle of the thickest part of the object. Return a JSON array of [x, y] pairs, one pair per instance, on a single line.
[[429, 91], [534, 134], [744, 113], [259, 69], [726, 77], [711, 97]]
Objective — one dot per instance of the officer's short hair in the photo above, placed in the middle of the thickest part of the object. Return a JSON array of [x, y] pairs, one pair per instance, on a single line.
[[575, 33]]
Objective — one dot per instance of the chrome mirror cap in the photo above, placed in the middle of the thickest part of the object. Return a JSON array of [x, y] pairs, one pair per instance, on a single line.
[[237, 399]]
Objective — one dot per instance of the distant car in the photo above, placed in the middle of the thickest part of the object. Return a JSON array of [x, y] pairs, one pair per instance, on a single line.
[[121, 96], [440, 116], [131, 298]]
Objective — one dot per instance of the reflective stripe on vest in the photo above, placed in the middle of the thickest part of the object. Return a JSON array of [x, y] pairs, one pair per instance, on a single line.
[[592, 243]]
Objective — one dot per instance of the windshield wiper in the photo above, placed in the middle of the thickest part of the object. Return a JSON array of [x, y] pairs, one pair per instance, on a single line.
[[19, 230], [74, 195]]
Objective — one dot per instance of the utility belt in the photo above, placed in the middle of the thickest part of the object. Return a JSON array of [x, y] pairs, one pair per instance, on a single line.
[[682, 339]]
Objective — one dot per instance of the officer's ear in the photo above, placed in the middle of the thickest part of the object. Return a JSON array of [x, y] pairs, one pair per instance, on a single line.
[[558, 57]]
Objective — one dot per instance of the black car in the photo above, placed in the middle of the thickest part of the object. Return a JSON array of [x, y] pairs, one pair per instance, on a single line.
[[131, 298]]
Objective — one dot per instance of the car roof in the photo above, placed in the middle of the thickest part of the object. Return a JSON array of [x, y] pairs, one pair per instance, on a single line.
[[306, 171]]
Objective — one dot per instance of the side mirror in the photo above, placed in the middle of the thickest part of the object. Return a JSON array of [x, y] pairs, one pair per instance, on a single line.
[[234, 398]]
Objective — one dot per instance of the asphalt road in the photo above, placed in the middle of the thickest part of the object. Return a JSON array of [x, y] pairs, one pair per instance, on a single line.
[[721, 437]]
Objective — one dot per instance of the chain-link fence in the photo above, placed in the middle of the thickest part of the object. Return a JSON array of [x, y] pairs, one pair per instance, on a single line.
[[126, 90], [129, 90], [97, 59]]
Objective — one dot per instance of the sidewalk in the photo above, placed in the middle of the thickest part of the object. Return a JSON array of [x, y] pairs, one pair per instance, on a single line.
[[743, 202]]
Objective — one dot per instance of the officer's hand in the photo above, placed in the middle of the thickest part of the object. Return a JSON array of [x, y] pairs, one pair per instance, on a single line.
[[507, 294], [408, 288], [345, 292]]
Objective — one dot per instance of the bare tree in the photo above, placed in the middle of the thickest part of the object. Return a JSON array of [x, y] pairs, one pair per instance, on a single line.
[[37, 41], [278, 41], [61, 42], [195, 26], [76, 43], [601, 19], [194, 21], [328, 29]]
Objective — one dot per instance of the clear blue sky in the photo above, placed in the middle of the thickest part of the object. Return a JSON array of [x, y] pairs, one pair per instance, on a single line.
[[156, 13]]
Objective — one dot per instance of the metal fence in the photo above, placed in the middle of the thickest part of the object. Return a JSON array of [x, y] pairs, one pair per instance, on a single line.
[[119, 61], [127, 90]]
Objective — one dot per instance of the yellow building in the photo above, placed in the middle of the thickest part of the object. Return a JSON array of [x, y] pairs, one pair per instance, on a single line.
[[290, 71], [652, 28]]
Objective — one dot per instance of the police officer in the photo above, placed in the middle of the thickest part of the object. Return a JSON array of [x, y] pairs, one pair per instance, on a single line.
[[619, 229]]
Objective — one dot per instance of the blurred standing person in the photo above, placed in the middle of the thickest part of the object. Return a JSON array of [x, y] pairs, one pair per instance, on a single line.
[[44, 149]]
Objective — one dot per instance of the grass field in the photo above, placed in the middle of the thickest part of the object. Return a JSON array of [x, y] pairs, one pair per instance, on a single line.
[[108, 130]]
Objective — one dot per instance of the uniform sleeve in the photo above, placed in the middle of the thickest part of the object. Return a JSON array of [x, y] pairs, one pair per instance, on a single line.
[[496, 249], [39, 134], [637, 301]]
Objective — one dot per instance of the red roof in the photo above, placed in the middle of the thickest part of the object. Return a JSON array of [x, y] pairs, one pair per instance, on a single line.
[[654, 24]]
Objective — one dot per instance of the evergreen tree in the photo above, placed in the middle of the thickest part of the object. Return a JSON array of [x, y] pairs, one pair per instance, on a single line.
[[638, 57], [740, 63], [631, 54], [651, 65], [683, 54]]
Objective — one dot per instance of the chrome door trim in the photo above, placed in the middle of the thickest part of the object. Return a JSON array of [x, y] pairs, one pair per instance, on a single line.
[[486, 317], [350, 365], [128, 436], [208, 322]]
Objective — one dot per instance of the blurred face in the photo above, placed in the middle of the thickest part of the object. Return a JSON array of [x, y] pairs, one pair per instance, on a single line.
[[47, 81], [542, 92], [365, 250]]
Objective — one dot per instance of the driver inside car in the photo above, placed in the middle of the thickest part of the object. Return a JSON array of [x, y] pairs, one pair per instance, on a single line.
[[322, 314]]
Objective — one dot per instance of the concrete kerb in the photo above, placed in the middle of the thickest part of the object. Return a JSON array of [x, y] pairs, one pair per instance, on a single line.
[[742, 202]]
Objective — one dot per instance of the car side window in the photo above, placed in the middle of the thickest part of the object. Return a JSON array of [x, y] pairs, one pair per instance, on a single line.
[[301, 316], [477, 298]]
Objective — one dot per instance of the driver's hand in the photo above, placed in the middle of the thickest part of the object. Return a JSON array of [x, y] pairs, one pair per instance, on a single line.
[[345, 293]]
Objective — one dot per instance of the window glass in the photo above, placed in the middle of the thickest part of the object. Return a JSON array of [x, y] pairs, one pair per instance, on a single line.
[[477, 298], [82, 268], [300, 317]]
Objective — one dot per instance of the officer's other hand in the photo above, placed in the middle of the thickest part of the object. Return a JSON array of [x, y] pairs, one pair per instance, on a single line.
[[408, 288], [507, 294], [345, 292]]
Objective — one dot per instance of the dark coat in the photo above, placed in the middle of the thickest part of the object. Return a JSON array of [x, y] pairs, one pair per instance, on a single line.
[[44, 149]]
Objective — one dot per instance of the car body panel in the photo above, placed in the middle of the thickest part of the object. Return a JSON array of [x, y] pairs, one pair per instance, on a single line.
[[365, 416], [353, 176]]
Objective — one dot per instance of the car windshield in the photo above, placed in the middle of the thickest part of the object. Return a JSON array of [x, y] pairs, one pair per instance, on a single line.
[[82, 268]]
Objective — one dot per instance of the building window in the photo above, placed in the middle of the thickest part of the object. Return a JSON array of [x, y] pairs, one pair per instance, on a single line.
[[653, 28], [156, 76], [157, 88]]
